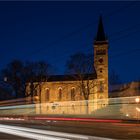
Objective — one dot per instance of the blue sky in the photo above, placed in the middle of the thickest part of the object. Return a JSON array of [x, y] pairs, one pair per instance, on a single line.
[[52, 31]]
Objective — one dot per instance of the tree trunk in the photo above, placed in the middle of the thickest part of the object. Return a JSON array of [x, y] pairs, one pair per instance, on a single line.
[[87, 107], [40, 102], [32, 92]]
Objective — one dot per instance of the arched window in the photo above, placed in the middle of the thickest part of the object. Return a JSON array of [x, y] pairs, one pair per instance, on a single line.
[[35, 92], [36, 97], [47, 94], [72, 94], [59, 93]]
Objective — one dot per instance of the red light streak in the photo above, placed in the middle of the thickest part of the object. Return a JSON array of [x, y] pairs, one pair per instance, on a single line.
[[78, 119]]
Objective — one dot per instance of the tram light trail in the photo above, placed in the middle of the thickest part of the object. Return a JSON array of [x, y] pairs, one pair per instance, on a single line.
[[44, 134], [116, 109]]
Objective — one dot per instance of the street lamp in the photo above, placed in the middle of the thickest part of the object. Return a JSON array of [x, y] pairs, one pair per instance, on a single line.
[[137, 100], [5, 79]]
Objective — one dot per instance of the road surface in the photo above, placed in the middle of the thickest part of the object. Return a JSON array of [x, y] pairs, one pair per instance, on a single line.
[[91, 130], [5, 136]]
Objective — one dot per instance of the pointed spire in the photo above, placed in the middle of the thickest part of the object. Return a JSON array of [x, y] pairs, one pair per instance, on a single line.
[[100, 33]]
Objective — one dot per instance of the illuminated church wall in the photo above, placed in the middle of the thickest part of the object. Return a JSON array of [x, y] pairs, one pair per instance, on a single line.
[[61, 92]]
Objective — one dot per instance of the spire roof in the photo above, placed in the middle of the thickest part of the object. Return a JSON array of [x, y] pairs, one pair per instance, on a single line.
[[100, 32]]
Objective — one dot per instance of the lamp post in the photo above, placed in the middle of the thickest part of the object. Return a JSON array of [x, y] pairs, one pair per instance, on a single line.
[[137, 100]]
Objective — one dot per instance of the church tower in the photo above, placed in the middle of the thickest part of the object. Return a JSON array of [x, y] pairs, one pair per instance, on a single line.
[[101, 61]]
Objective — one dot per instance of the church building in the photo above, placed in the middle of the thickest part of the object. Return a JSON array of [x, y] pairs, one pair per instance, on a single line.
[[74, 94]]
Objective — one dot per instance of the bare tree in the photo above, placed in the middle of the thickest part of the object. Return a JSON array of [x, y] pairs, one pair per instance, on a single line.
[[114, 78], [80, 66], [38, 73], [13, 74], [19, 74], [80, 63]]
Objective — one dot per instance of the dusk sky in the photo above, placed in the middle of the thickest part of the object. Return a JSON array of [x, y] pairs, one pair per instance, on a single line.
[[52, 31]]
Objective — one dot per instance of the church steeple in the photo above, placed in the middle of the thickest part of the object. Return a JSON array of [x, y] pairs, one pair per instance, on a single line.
[[100, 32], [101, 61]]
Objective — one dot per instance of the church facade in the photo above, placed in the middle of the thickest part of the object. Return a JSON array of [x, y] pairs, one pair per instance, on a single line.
[[71, 94]]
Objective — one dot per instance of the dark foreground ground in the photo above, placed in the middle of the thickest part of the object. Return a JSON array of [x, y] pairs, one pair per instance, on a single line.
[[10, 137], [129, 131]]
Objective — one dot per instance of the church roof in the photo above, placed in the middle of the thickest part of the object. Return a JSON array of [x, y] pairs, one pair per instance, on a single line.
[[59, 78], [100, 32], [74, 77]]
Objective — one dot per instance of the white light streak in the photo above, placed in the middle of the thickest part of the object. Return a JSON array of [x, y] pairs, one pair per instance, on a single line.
[[17, 107], [44, 134], [138, 109], [137, 100], [127, 105], [12, 119], [28, 134]]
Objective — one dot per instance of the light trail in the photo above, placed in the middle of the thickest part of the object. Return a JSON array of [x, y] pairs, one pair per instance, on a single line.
[[116, 110], [17, 106], [78, 119], [28, 134], [138, 109], [54, 119], [12, 119], [44, 134]]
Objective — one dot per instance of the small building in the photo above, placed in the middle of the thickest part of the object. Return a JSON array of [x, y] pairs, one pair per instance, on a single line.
[[125, 90]]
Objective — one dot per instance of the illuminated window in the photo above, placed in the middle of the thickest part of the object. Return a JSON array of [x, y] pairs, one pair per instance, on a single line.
[[47, 94], [35, 92], [81, 92], [59, 94], [72, 94]]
